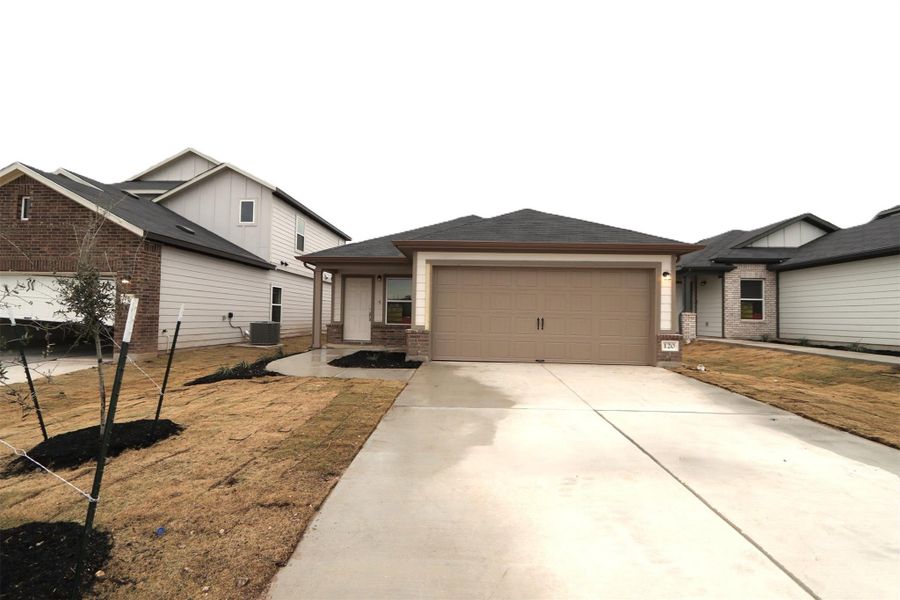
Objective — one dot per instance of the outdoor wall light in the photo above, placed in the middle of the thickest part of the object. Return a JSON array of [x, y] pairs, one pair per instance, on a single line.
[[126, 280], [667, 276], [378, 278]]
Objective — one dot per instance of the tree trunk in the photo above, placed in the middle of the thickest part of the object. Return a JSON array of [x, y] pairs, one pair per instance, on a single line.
[[101, 383]]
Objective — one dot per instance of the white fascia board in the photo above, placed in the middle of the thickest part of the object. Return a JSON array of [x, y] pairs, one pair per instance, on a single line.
[[23, 170], [175, 157], [210, 173], [74, 177]]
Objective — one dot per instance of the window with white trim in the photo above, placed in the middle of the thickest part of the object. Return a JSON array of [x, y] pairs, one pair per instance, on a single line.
[[398, 300], [752, 299], [299, 234], [276, 304], [248, 212], [25, 208]]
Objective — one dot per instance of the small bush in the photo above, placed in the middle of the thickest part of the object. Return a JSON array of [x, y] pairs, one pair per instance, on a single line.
[[856, 347], [764, 337], [803, 341]]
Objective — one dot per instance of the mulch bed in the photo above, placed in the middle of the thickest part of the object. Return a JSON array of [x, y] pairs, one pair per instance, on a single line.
[[37, 560], [366, 359], [242, 370], [77, 447]]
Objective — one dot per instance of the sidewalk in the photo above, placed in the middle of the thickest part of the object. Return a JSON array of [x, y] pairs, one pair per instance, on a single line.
[[863, 356]]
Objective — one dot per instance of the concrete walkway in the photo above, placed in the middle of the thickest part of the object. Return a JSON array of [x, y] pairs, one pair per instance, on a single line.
[[315, 364], [566, 481], [863, 356], [42, 368]]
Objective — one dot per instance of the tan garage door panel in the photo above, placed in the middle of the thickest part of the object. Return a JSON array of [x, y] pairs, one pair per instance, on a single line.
[[589, 315]]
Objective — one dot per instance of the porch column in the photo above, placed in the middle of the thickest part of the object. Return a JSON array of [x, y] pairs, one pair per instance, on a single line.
[[317, 309]]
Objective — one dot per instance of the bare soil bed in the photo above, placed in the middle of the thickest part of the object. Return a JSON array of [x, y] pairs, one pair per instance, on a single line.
[[233, 492], [862, 398]]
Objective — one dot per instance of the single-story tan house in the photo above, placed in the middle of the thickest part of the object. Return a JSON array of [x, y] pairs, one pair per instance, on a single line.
[[519, 287]]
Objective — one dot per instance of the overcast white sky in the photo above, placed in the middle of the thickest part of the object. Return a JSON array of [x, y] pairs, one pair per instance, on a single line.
[[681, 119]]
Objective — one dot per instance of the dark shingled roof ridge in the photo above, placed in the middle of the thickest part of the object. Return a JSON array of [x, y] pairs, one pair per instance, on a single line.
[[157, 221], [383, 247], [529, 225]]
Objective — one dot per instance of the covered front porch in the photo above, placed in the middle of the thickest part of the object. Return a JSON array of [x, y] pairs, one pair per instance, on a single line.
[[371, 305]]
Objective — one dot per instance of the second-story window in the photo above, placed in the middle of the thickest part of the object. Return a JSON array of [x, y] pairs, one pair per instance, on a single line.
[[299, 234], [248, 212]]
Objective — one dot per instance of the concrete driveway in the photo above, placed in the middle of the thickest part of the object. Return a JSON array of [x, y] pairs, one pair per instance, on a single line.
[[565, 481]]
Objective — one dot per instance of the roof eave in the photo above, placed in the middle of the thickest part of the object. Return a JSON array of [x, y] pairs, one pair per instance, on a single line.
[[339, 260], [555, 247], [200, 249], [280, 193], [833, 260]]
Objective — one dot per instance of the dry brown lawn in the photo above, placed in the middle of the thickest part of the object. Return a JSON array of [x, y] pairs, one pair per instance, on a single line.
[[859, 397], [234, 491]]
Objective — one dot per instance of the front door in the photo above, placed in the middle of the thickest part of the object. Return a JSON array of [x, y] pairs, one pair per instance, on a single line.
[[357, 309]]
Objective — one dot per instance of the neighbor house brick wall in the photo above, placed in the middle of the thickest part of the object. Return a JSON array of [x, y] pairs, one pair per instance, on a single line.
[[418, 344], [735, 327], [689, 326], [48, 244]]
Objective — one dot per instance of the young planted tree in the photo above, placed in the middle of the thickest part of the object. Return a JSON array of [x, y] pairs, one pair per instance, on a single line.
[[91, 301]]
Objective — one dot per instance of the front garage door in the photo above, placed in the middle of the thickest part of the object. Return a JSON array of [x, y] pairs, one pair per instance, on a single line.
[[601, 316]]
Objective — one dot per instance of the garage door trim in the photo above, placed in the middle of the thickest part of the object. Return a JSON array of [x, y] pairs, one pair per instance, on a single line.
[[655, 269]]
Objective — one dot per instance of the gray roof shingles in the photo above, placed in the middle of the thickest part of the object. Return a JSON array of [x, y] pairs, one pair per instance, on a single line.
[[383, 247], [526, 226], [159, 222]]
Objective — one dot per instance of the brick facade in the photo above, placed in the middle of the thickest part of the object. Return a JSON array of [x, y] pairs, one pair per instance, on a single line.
[[735, 327], [391, 336], [689, 326], [673, 358], [47, 244], [418, 344]]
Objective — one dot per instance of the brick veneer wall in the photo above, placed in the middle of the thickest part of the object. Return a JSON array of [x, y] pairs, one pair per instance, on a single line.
[[418, 344], [689, 326], [334, 333], [48, 243], [735, 327], [671, 358], [393, 336]]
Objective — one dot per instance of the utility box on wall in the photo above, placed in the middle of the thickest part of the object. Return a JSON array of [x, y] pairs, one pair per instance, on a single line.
[[265, 333]]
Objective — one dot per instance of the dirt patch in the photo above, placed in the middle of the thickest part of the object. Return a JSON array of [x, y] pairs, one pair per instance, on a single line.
[[850, 395], [242, 370], [75, 448], [375, 360], [233, 492], [38, 559]]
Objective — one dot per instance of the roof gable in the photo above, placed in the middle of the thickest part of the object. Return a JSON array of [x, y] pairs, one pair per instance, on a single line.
[[180, 156], [752, 236], [880, 237]]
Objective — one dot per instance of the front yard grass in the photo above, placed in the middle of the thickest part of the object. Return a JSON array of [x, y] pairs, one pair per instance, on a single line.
[[233, 492], [859, 397]]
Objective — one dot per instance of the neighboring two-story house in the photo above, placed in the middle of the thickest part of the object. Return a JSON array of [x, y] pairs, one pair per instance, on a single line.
[[798, 279], [190, 230]]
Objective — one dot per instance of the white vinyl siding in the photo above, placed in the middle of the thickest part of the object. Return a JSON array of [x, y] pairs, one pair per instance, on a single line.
[[183, 168], [853, 302], [709, 306], [210, 288], [792, 236], [214, 203], [284, 237]]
